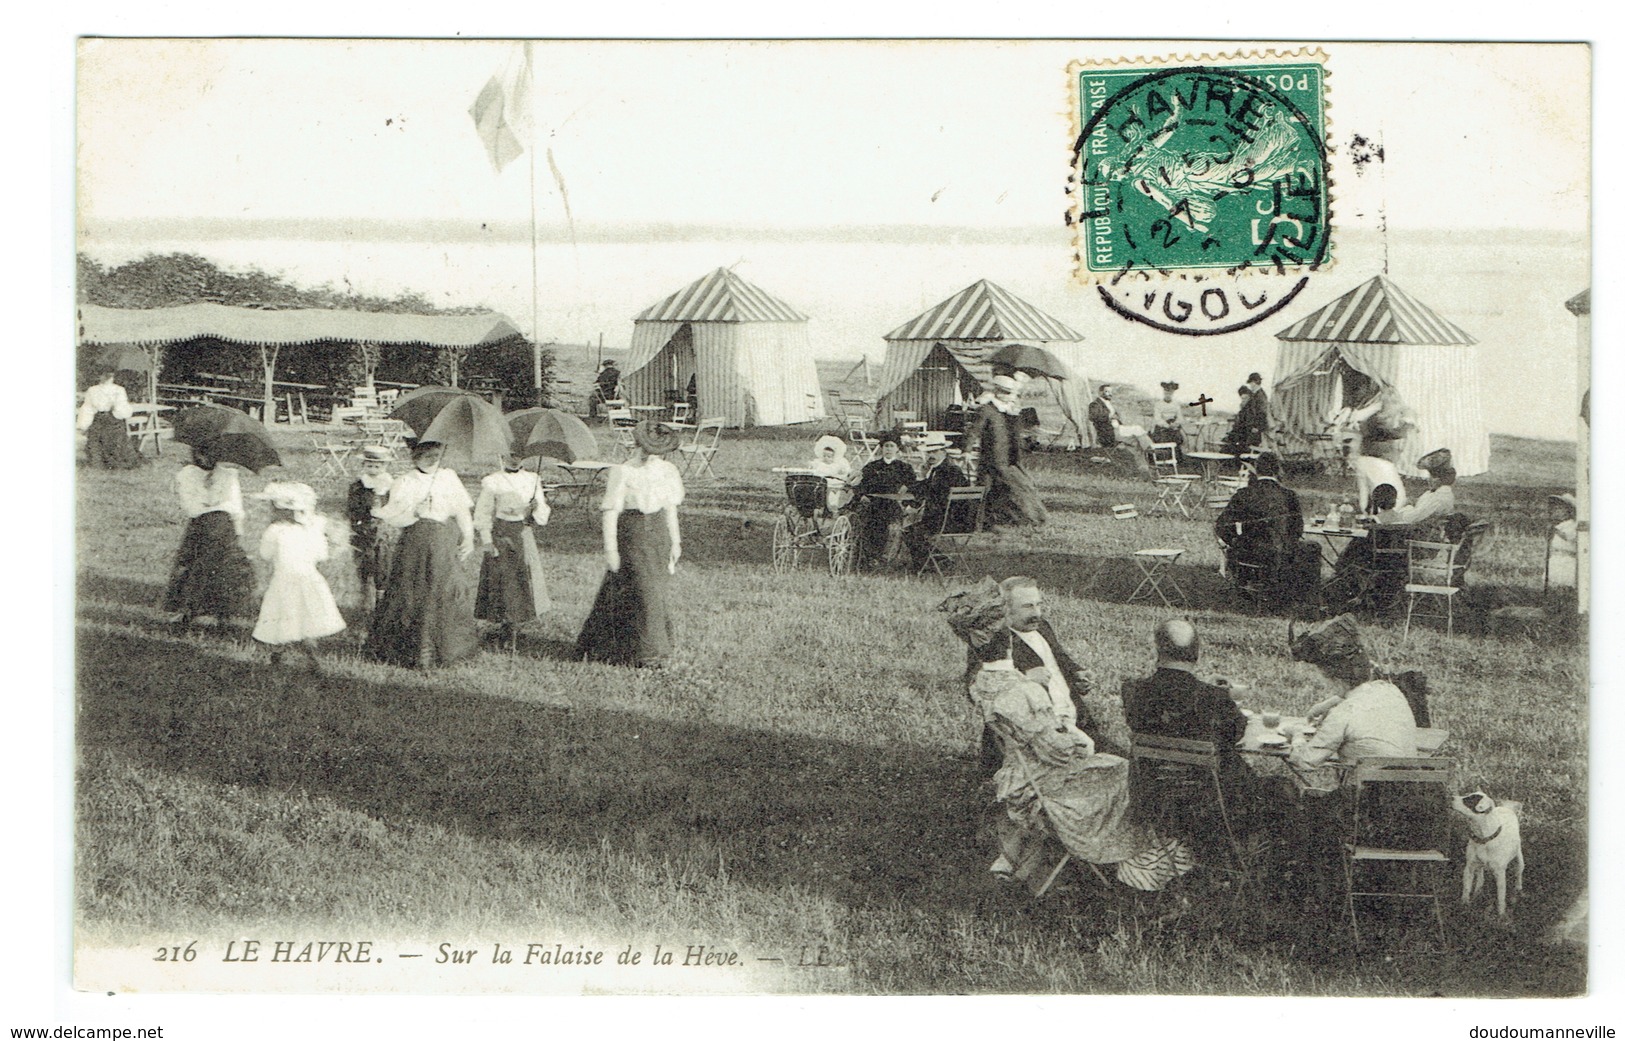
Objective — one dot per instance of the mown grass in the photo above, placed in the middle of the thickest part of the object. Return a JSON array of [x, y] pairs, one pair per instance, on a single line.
[[802, 775]]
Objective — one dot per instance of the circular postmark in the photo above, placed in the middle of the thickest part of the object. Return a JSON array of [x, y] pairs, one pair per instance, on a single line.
[[1202, 199]]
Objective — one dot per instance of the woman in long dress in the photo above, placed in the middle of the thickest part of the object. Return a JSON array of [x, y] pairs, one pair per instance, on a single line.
[[426, 616], [104, 420], [298, 608], [512, 588], [1052, 782], [1012, 497], [631, 621], [211, 577], [880, 521]]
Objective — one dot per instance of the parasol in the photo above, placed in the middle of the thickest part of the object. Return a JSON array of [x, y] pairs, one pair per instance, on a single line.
[[551, 433], [229, 435], [471, 428], [1034, 361], [122, 359]]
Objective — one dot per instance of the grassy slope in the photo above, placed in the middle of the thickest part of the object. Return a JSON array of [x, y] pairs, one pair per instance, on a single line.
[[801, 776]]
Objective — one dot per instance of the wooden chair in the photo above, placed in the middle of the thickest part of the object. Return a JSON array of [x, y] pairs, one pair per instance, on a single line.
[[681, 411], [700, 452], [622, 421], [1400, 829], [866, 444], [962, 521], [1165, 459], [1177, 774], [1433, 573]]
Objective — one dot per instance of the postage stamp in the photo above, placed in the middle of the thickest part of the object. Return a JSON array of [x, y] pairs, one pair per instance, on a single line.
[[1201, 189]]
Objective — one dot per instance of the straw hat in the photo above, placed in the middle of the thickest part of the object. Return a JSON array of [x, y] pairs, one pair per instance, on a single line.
[[934, 443], [289, 495], [1327, 643], [1439, 459], [1003, 383], [1567, 500], [376, 454], [655, 438]]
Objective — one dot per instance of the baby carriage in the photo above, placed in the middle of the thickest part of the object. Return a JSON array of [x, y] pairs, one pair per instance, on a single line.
[[809, 526]]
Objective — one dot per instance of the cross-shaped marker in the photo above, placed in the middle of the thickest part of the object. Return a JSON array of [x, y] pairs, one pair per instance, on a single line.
[[1201, 402]]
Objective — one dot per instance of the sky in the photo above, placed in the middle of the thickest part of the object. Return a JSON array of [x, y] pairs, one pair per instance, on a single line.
[[762, 134]]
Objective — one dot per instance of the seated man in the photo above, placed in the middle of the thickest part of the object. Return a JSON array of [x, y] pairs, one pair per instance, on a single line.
[[941, 476], [1035, 644], [1262, 532], [1371, 572], [1173, 702]]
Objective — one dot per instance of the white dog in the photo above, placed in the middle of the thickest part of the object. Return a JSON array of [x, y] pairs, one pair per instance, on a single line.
[[1493, 844]]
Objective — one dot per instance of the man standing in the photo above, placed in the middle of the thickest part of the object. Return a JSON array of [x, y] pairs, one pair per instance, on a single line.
[[1034, 643], [1262, 533], [1251, 423]]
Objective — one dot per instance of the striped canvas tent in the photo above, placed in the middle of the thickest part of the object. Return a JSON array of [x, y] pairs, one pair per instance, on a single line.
[[946, 349], [745, 350], [1377, 337]]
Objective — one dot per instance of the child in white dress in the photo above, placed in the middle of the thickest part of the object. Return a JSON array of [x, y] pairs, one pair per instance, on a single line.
[[298, 607]]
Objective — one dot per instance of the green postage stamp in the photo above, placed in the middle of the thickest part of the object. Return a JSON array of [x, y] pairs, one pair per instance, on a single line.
[[1201, 170]]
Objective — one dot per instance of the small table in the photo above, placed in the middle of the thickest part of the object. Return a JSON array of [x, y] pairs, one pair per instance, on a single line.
[[587, 473], [1333, 541], [1210, 463], [1157, 567]]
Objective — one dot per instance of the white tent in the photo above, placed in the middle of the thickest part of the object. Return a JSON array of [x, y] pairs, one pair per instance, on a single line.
[[744, 349], [946, 349], [1376, 337]]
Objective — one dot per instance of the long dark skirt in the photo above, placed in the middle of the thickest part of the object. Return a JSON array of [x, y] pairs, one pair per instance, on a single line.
[[426, 617], [512, 589], [108, 445], [211, 575], [1012, 498], [631, 622], [879, 524]]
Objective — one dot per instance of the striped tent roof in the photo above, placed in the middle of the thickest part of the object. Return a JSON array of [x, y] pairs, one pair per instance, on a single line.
[[248, 325], [983, 311], [1376, 312], [721, 296]]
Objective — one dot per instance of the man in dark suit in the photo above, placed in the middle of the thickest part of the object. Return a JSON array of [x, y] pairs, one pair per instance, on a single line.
[[1173, 702], [1262, 533], [1034, 643], [941, 475], [1251, 423]]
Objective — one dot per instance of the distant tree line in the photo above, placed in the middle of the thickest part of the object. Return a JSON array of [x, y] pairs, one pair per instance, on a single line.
[[174, 279]]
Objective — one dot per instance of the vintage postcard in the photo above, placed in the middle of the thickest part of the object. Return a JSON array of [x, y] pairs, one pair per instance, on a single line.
[[832, 517]]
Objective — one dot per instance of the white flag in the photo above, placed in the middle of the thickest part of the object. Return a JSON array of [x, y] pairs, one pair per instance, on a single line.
[[502, 111]]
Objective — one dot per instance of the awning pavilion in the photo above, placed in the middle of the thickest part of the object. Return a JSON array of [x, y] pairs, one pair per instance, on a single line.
[[367, 332]]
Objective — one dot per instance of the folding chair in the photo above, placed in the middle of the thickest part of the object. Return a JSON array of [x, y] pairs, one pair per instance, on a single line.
[[1156, 567], [680, 411], [866, 444], [1002, 734], [1178, 775], [1171, 492], [1400, 829], [1433, 573], [962, 521], [622, 421], [337, 455], [1165, 459], [703, 449]]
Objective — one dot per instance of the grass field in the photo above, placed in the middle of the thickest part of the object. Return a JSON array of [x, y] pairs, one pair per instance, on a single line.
[[802, 775]]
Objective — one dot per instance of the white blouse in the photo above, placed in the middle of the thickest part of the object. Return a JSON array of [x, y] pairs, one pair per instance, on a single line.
[[509, 497], [104, 397], [416, 495], [206, 491], [649, 488]]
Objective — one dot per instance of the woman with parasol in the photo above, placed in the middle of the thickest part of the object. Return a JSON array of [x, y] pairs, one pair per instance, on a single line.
[[512, 588], [211, 577], [631, 621], [103, 419], [426, 617]]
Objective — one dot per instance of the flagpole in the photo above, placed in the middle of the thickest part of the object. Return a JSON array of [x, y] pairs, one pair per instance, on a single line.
[[535, 320]]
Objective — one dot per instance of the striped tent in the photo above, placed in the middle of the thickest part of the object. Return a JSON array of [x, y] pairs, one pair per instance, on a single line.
[[945, 350], [1378, 338], [744, 349]]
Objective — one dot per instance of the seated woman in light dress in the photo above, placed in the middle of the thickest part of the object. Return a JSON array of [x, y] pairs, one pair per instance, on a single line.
[[1563, 545], [1053, 782]]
